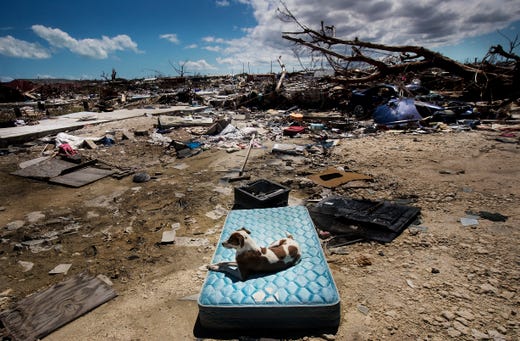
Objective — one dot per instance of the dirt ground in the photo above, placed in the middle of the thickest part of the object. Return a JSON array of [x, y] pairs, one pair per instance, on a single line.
[[438, 281]]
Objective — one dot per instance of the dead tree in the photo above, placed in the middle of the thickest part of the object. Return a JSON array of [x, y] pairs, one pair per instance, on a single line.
[[368, 62], [180, 69], [282, 76]]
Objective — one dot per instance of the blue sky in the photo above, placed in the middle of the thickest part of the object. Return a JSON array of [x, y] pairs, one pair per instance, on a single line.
[[83, 39]]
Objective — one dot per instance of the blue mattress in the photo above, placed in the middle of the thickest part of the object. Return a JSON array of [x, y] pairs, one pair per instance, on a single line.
[[301, 297]]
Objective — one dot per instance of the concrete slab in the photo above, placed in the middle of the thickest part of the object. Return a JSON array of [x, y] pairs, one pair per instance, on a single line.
[[21, 134]]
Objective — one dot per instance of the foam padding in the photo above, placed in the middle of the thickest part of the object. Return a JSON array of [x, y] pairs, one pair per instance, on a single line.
[[301, 297]]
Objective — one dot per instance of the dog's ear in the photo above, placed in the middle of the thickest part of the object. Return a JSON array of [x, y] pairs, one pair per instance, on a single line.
[[245, 230]]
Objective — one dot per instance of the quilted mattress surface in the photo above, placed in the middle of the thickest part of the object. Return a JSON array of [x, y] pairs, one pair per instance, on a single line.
[[293, 298]]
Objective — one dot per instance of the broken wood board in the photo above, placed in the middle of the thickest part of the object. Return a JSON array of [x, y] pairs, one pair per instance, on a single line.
[[50, 168], [89, 144], [333, 177], [40, 314], [165, 122], [82, 177], [28, 163], [325, 116], [45, 169]]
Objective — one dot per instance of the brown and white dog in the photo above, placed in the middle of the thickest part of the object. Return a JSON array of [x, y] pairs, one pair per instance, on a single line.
[[252, 259]]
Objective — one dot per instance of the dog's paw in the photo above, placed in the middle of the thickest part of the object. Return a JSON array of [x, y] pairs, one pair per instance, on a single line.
[[213, 267]]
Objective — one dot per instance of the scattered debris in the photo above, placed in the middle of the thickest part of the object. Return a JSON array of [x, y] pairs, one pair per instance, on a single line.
[[217, 213], [241, 175], [27, 266], [492, 216], [141, 177], [168, 237], [363, 309], [60, 269], [239, 113], [15, 225], [287, 148], [469, 221]]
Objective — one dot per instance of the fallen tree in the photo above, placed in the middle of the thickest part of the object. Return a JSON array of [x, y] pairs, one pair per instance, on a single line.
[[368, 62]]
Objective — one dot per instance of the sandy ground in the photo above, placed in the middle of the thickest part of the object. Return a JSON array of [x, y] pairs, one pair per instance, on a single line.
[[440, 281]]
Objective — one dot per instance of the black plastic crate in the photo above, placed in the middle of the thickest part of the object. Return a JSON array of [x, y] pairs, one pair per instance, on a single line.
[[261, 194]]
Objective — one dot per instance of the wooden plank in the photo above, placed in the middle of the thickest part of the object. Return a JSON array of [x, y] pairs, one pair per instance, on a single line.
[[89, 144], [45, 169], [81, 177], [165, 122], [40, 314]]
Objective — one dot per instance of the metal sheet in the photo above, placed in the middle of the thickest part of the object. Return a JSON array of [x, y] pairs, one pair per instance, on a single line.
[[45, 169], [82, 177], [333, 177]]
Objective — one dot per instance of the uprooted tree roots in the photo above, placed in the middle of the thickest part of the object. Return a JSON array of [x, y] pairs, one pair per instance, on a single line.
[[497, 76]]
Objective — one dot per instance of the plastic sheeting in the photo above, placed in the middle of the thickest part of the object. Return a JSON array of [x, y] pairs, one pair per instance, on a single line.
[[397, 111]]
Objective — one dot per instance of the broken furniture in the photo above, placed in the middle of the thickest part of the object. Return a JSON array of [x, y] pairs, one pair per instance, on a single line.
[[302, 297], [353, 219], [261, 194]]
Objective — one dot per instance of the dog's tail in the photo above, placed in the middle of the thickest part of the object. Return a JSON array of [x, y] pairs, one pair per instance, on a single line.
[[289, 235]]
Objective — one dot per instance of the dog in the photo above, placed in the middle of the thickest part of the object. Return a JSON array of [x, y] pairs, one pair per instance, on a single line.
[[252, 259]]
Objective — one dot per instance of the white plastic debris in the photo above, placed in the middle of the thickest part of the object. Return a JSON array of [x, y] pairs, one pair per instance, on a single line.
[[168, 237], [27, 266], [60, 269]]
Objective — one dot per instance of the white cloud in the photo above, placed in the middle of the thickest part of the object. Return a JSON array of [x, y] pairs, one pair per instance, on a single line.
[[192, 46], [171, 37], [13, 47], [211, 39], [40, 76], [93, 48], [6, 79], [213, 48], [222, 3], [208, 39], [428, 23], [199, 65]]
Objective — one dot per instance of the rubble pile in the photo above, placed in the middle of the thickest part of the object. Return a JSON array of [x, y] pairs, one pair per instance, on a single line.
[[410, 189]]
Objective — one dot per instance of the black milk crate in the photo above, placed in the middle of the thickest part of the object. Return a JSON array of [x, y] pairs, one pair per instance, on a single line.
[[261, 194]]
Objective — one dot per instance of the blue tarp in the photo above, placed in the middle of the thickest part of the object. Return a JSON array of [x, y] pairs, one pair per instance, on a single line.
[[396, 110]]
